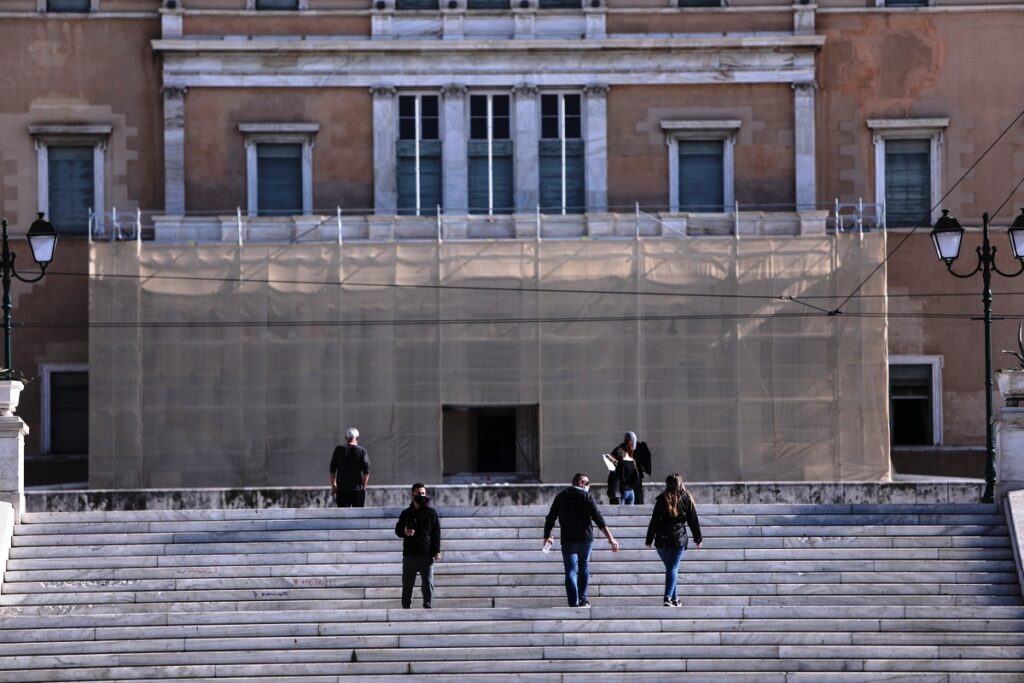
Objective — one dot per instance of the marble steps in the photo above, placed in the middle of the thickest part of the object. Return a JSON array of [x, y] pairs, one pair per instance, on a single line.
[[726, 525], [797, 593], [944, 509]]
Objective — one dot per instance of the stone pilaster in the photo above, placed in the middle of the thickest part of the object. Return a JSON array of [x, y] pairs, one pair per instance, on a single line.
[[527, 154], [455, 176], [174, 151], [595, 137], [803, 129], [385, 162]]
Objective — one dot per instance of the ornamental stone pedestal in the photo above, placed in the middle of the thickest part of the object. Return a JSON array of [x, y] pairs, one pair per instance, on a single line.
[[1009, 431], [12, 448]]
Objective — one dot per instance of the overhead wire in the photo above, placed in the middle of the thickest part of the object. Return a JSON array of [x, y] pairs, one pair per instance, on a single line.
[[838, 309]]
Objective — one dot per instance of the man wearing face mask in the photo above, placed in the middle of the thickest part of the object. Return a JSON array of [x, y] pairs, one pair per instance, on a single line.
[[420, 530], [575, 509]]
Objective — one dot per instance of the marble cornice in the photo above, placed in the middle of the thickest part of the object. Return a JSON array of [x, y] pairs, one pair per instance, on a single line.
[[632, 44], [436, 64]]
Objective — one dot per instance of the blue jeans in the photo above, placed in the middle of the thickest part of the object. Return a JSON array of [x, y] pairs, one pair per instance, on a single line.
[[628, 497], [576, 557], [671, 557]]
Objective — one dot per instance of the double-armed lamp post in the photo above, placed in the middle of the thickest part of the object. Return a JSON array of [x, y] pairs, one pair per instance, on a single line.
[[42, 239], [946, 235]]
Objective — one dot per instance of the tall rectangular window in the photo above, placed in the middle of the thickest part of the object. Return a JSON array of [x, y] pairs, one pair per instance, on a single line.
[[279, 179], [907, 182], [906, 3], [561, 154], [69, 413], [699, 3], [487, 4], [281, 5], [68, 5], [419, 154], [490, 154], [72, 182], [416, 4], [559, 4], [701, 176], [911, 395]]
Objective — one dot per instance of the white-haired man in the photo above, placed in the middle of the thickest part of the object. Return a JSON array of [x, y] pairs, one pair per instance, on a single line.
[[350, 472]]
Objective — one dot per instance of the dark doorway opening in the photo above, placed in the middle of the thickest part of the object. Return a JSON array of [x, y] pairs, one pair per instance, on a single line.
[[490, 443]]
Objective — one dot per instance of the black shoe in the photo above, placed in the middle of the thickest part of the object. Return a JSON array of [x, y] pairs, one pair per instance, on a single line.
[[584, 603], [426, 605], [669, 603], [406, 606], [675, 603]]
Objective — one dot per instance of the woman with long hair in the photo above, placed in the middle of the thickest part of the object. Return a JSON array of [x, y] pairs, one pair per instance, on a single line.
[[674, 510]]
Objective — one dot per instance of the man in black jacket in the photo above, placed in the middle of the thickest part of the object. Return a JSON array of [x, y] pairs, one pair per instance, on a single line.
[[350, 472], [575, 509], [420, 530]]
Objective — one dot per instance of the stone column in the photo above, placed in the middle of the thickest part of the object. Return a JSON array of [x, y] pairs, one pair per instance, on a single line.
[[455, 176], [385, 163], [174, 151], [803, 130], [527, 148], [12, 448], [595, 137]]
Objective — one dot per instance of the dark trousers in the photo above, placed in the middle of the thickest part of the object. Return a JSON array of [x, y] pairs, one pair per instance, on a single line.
[[351, 499], [411, 566]]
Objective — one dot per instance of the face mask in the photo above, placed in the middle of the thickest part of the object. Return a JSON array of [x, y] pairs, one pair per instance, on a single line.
[[421, 500]]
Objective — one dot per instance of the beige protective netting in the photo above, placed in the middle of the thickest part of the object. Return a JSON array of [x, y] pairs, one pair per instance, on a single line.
[[687, 342]]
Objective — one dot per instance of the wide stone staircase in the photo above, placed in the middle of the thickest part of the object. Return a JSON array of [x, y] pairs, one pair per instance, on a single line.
[[778, 593]]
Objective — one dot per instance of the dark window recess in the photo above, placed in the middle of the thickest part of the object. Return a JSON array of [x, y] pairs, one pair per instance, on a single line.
[[430, 177], [487, 4], [572, 105], [907, 183], [429, 119], [279, 179], [498, 441], [71, 186], [698, 3], [415, 4], [906, 3], [501, 184], [68, 5], [277, 4], [69, 413], [560, 4], [910, 400], [551, 176], [701, 176]]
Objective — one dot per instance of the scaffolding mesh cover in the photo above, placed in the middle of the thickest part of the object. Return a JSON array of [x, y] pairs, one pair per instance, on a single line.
[[227, 365]]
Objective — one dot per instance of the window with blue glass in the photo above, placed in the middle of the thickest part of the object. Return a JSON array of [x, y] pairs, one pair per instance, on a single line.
[[490, 154], [419, 154], [562, 154]]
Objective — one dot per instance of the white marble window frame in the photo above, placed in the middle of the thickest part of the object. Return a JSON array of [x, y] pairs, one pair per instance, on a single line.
[[94, 135], [46, 371], [724, 130], [936, 363], [278, 133], [932, 129], [881, 4], [41, 7], [250, 6], [490, 93]]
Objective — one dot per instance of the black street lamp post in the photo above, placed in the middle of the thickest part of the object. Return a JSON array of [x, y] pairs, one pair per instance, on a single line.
[[42, 239], [946, 236]]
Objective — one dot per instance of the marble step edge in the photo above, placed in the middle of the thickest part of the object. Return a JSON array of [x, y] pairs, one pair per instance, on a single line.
[[483, 610], [511, 510]]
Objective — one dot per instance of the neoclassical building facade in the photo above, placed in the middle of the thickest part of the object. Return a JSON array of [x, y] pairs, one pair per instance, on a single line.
[[283, 122]]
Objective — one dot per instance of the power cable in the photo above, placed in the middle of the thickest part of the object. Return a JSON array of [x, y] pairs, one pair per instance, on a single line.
[[838, 309]]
